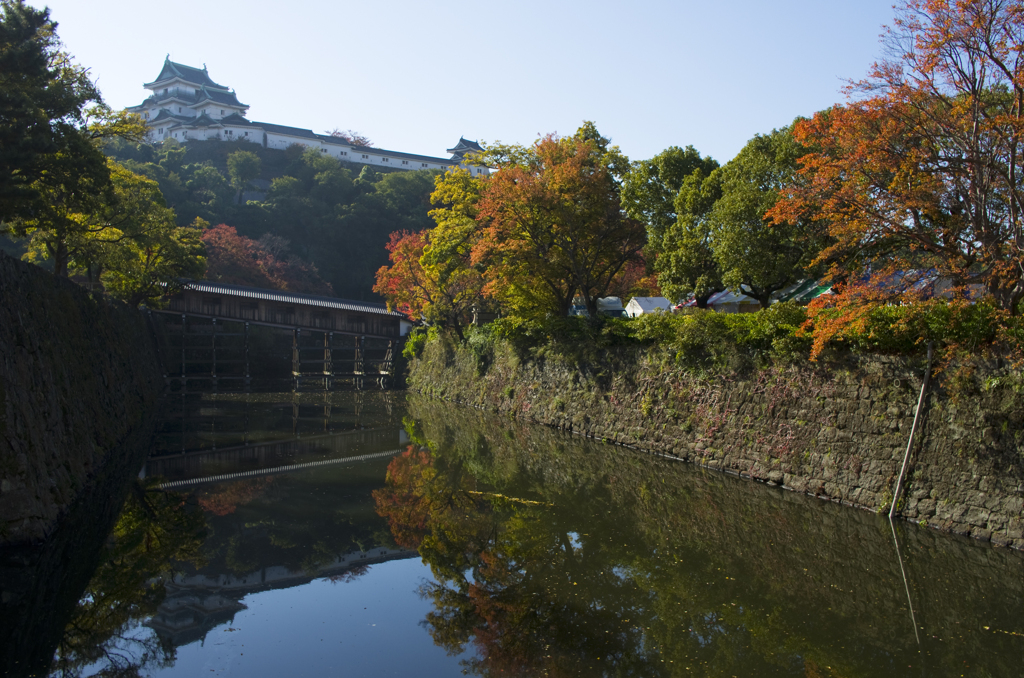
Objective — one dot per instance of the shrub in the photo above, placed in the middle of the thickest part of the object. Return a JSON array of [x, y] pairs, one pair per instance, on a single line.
[[415, 343]]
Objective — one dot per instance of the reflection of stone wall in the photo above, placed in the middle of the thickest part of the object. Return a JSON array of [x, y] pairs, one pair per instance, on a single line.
[[837, 432], [78, 380], [807, 579]]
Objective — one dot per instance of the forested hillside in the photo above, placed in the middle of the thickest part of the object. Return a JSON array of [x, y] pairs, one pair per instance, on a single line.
[[334, 216]]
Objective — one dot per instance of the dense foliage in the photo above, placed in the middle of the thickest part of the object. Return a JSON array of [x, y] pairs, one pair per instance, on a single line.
[[336, 218], [920, 174], [73, 208], [545, 231]]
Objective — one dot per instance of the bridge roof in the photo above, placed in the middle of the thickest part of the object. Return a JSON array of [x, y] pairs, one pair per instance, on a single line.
[[208, 287]]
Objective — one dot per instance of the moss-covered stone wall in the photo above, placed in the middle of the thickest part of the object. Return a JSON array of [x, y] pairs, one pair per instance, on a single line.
[[78, 383], [836, 431]]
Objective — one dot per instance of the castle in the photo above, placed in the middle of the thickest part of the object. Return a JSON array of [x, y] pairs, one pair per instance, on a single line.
[[186, 104]]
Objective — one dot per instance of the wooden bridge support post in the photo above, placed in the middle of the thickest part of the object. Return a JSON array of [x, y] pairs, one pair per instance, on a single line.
[[183, 335], [248, 380], [360, 362], [213, 352], [295, 358], [328, 360]]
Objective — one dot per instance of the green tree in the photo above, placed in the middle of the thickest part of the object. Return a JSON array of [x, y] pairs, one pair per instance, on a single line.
[[755, 256], [43, 97], [243, 167], [686, 261], [650, 188]]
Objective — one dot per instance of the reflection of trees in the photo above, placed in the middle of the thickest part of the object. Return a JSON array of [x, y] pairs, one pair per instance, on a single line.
[[226, 498], [155, 529], [302, 522], [555, 556]]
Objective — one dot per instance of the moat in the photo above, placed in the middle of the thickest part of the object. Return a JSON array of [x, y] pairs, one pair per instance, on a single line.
[[357, 533]]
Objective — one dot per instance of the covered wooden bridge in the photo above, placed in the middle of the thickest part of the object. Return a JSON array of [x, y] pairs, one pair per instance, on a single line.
[[216, 335]]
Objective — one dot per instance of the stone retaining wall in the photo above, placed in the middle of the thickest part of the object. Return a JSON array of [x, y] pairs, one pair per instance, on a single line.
[[78, 383], [838, 432]]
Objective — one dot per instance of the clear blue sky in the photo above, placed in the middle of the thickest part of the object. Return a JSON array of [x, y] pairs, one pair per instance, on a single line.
[[414, 76]]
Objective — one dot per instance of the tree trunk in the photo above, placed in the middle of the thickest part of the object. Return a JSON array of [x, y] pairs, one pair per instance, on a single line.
[[60, 260]]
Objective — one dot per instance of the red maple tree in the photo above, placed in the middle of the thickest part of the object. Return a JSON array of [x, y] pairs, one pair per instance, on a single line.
[[236, 260]]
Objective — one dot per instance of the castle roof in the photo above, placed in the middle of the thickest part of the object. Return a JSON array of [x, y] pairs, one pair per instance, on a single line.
[[218, 96], [285, 129], [236, 119], [189, 74], [202, 120], [203, 95], [164, 114], [463, 147]]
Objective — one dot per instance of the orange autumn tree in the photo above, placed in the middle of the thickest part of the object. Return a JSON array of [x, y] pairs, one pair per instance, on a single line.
[[920, 173], [552, 224]]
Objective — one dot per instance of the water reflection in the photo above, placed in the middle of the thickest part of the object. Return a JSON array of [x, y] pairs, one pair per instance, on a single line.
[[557, 556], [155, 528], [254, 502], [283, 541]]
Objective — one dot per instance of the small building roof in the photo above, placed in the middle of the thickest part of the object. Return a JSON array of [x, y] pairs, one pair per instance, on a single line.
[[208, 287]]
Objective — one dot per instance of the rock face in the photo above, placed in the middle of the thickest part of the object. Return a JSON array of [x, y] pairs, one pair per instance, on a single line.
[[79, 379], [838, 432]]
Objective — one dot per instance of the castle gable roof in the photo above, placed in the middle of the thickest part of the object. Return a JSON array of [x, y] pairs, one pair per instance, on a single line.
[[218, 96], [164, 114], [202, 121], [237, 120], [189, 74]]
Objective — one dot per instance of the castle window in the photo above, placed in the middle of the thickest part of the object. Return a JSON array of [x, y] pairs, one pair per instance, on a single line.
[[222, 111], [423, 164], [405, 162], [383, 159], [365, 157], [160, 131]]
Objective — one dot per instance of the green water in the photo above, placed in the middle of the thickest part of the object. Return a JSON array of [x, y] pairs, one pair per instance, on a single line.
[[371, 534]]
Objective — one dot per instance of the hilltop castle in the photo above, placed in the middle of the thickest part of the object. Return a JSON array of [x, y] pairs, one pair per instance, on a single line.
[[186, 104]]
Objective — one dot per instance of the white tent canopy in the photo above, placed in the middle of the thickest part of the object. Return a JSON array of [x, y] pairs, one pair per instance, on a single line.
[[638, 306]]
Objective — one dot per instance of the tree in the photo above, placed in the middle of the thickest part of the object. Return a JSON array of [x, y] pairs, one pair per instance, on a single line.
[[686, 261], [755, 256], [554, 225], [352, 137], [43, 97], [237, 260], [144, 268], [922, 168], [650, 188], [243, 167]]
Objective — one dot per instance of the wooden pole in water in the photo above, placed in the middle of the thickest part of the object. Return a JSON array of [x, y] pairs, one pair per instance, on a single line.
[[913, 431]]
